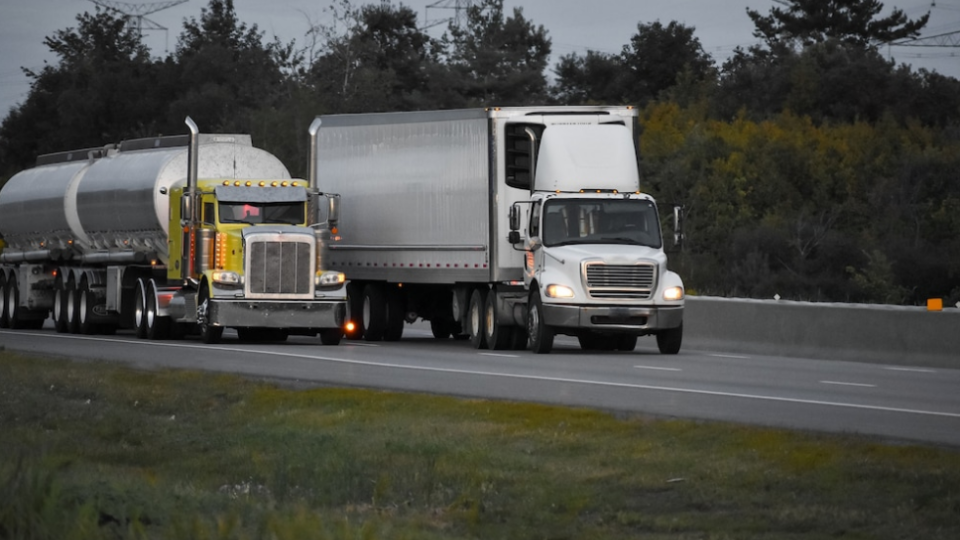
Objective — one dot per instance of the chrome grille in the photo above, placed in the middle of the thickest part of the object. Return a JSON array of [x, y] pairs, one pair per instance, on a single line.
[[279, 268], [635, 281]]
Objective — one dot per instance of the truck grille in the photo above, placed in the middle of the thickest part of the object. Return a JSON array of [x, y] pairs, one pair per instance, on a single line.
[[279, 268], [634, 281]]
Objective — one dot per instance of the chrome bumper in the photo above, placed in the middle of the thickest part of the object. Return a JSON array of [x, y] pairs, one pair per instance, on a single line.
[[278, 314]]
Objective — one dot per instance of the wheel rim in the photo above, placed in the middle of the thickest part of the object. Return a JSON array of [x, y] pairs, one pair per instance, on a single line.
[[83, 305], [57, 304], [534, 322], [366, 311], [490, 315], [475, 319], [138, 310]]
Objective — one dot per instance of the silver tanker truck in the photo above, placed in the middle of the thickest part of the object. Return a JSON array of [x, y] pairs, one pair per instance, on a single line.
[[506, 226], [169, 236]]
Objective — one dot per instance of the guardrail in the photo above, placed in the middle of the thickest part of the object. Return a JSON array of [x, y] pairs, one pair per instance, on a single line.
[[907, 336]]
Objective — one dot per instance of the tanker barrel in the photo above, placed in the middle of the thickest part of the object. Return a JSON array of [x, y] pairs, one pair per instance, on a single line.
[[192, 169]]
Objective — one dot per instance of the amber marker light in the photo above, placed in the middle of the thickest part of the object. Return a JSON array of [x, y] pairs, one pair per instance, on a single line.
[[349, 327]]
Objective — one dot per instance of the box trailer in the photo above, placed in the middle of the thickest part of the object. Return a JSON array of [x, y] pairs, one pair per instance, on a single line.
[[503, 225]]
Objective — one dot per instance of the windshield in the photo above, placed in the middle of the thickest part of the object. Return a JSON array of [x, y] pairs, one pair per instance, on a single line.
[[608, 221], [288, 213]]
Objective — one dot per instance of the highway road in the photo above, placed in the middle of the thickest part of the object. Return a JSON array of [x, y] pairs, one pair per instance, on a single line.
[[882, 400]]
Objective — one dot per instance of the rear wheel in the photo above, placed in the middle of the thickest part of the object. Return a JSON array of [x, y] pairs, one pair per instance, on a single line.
[[374, 312], [73, 315], [140, 310], [475, 318], [60, 306], [4, 319], [669, 341], [539, 334], [498, 335], [354, 311], [13, 303], [85, 310], [441, 328], [157, 327]]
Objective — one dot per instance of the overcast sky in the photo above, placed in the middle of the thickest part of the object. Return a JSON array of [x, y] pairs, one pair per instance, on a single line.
[[573, 26]]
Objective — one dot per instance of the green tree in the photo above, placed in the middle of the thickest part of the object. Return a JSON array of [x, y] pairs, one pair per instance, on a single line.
[[658, 57], [593, 78], [225, 70], [498, 60], [850, 21], [380, 62], [102, 88]]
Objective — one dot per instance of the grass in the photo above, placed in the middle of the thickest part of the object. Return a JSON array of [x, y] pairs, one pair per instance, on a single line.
[[96, 450]]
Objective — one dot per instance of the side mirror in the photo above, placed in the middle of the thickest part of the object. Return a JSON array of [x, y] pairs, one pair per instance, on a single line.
[[513, 237], [514, 221], [678, 225]]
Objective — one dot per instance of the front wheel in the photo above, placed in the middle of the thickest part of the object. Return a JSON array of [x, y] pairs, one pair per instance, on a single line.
[[209, 333], [475, 319], [668, 341], [539, 334]]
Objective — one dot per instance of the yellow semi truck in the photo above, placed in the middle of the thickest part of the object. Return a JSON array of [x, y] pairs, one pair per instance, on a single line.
[[170, 236]]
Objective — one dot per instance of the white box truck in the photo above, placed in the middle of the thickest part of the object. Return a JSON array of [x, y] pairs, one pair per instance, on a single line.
[[504, 225]]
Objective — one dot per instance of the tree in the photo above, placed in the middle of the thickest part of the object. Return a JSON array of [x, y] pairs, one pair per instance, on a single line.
[[497, 60], [850, 21], [225, 70], [382, 61], [657, 56], [593, 78], [103, 88]]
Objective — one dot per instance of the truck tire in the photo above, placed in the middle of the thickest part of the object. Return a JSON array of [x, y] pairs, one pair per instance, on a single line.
[[4, 321], [374, 312], [354, 311], [209, 334], [475, 318], [12, 304], [85, 310], [140, 310], [393, 330], [539, 334], [73, 319], [157, 327], [331, 336], [498, 335], [59, 306], [668, 341]]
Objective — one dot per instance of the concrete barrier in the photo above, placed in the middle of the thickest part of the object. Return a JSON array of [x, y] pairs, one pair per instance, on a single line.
[[907, 336]]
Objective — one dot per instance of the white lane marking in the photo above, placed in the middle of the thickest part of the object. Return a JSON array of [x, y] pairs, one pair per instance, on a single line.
[[914, 370], [500, 355], [658, 368], [523, 377], [729, 356], [841, 383]]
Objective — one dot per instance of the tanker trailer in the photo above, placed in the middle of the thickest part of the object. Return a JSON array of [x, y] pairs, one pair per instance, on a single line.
[[169, 236]]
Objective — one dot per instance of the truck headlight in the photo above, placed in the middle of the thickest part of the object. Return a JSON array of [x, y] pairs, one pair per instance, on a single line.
[[225, 277], [559, 291], [330, 280], [673, 294]]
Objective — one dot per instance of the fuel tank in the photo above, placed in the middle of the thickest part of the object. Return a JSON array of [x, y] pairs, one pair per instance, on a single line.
[[115, 199]]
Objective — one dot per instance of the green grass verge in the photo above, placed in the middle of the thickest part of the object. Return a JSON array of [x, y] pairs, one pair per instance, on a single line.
[[96, 450]]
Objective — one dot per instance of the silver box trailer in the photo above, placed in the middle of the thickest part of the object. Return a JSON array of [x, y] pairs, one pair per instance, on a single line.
[[442, 218]]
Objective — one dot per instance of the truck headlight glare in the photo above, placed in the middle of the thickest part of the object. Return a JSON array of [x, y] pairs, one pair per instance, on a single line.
[[224, 277], [559, 291], [673, 294], [331, 279]]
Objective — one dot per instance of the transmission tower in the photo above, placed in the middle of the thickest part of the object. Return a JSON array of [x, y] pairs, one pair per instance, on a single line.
[[949, 39], [459, 8], [136, 14]]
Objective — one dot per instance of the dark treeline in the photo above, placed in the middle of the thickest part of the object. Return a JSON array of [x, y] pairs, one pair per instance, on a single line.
[[811, 166]]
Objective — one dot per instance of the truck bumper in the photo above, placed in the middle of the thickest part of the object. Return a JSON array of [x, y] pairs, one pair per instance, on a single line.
[[278, 314], [615, 319]]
